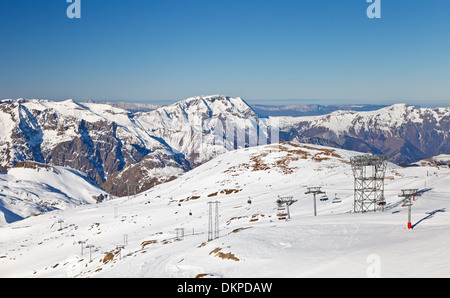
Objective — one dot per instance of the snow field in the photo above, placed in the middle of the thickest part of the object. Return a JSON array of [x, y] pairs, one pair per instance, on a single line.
[[253, 242], [25, 191]]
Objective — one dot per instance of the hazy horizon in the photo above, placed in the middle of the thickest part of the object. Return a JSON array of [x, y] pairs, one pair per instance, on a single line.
[[325, 52], [259, 102]]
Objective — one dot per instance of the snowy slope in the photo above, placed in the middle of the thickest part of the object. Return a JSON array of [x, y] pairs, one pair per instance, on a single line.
[[253, 241], [32, 188], [441, 160]]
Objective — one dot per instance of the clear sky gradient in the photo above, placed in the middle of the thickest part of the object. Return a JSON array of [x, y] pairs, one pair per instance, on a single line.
[[322, 51]]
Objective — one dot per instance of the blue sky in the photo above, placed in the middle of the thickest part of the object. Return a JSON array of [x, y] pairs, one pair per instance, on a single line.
[[321, 51]]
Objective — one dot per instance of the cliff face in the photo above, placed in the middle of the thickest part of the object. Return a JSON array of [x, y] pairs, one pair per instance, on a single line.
[[97, 150], [156, 167]]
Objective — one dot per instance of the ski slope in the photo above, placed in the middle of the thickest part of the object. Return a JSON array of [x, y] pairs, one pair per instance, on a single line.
[[137, 237], [35, 188]]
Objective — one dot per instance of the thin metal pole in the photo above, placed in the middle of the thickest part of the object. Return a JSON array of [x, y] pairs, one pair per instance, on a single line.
[[81, 242], [315, 211], [210, 221], [314, 191], [409, 216], [120, 247], [217, 220]]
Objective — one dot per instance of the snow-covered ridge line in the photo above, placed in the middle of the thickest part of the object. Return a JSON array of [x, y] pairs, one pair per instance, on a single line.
[[385, 118]]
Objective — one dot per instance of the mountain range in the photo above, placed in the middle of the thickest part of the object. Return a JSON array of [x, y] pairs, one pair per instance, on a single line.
[[403, 133], [126, 151], [296, 110]]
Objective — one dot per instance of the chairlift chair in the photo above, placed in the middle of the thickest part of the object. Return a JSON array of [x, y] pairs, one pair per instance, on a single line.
[[336, 199], [324, 198], [381, 203]]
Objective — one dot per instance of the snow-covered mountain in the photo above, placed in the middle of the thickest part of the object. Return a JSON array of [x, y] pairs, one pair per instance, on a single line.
[[116, 147], [196, 126], [31, 188], [403, 133], [440, 160], [301, 110], [97, 139], [142, 236]]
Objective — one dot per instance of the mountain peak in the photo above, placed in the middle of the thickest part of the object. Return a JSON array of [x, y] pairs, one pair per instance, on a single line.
[[215, 105], [216, 98]]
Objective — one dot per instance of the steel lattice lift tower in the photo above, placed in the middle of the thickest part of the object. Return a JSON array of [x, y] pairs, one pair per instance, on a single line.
[[369, 171], [213, 229]]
